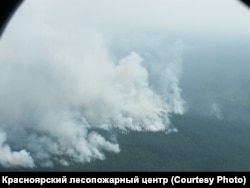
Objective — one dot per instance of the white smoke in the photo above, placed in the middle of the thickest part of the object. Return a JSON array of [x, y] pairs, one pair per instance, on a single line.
[[59, 86], [215, 110], [10, 158], [166, 76]]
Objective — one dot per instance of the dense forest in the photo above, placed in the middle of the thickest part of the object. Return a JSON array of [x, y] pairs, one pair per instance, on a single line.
[[201, 144]]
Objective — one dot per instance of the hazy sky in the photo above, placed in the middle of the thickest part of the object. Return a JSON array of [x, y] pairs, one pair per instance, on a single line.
[[226, 16]]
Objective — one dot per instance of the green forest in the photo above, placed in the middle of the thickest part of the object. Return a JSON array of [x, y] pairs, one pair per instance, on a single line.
[[201, 144]]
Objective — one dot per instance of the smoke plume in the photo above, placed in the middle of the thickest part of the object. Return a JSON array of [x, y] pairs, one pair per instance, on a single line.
[[60, 85]]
